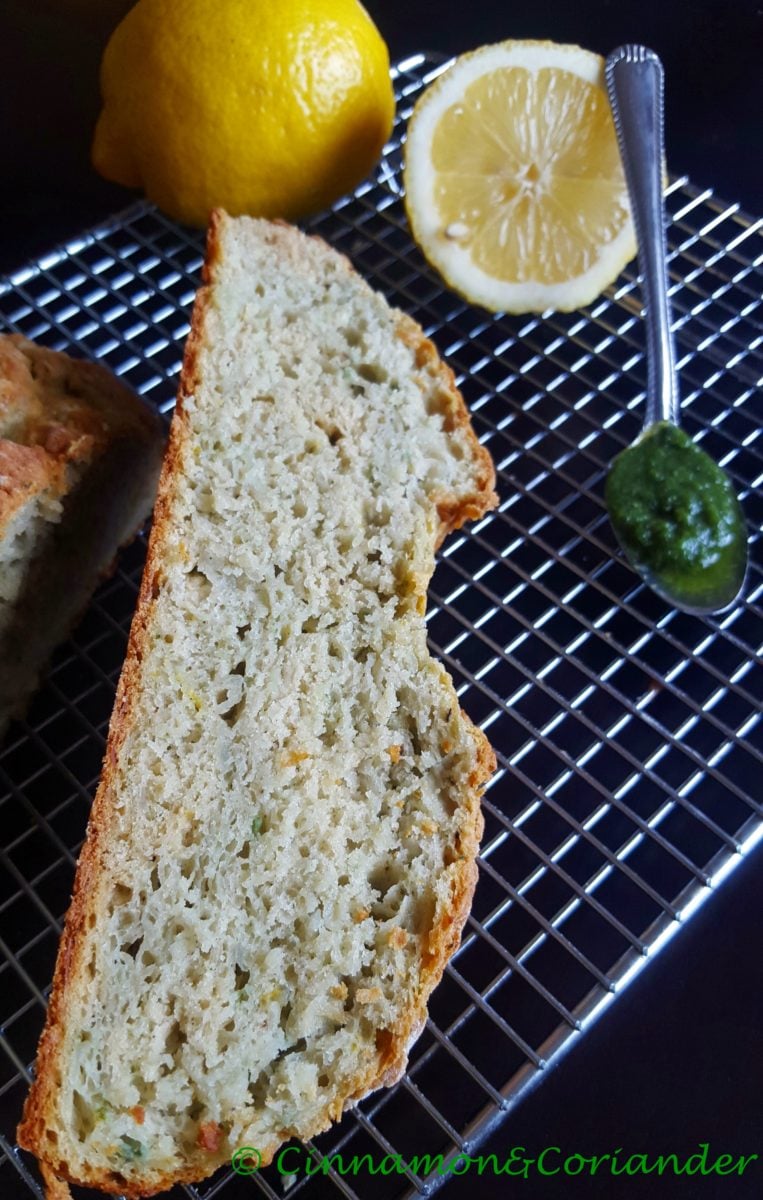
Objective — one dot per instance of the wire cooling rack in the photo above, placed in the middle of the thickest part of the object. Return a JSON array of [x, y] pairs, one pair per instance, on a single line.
[[627, 734]]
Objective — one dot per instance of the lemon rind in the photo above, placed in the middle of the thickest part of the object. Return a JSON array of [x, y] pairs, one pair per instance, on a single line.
[[533, 296]]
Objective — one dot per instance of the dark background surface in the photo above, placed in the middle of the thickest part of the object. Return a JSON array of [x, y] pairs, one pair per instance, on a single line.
[[678, 1060], [50, 52]]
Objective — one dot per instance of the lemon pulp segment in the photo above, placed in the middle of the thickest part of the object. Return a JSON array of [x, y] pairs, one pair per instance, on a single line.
[[524, 168]]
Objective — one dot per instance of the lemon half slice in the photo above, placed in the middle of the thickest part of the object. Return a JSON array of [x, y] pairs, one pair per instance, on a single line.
[[514, 188]]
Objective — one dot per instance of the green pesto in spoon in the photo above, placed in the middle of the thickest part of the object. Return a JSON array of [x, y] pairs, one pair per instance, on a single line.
[[674, 511]]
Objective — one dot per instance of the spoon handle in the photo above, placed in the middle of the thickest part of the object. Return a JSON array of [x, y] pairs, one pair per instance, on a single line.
[[635, 84]]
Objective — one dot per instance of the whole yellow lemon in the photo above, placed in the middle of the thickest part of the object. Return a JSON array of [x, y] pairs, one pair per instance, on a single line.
[[269, 107]]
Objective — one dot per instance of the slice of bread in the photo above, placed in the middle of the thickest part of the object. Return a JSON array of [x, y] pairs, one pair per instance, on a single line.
[[80, 456], [281, 852]]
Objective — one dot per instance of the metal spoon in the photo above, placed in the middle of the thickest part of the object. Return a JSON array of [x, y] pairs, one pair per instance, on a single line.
[[673, 510]]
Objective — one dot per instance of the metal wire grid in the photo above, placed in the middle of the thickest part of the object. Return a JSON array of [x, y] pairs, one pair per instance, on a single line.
[[627, 734]]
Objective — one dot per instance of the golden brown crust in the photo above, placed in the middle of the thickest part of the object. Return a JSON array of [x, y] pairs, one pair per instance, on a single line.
[[453, 511], [63, 404], [55, 1188], [24, 472], [56, 411], [444, 937]]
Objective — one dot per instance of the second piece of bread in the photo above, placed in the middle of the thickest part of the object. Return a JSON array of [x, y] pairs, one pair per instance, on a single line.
[[79, 464]]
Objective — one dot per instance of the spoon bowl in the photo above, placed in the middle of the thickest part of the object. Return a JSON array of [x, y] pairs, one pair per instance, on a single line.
[[673, 510]]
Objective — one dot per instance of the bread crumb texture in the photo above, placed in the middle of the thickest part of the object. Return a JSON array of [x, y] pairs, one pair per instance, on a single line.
[[281, 853]]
